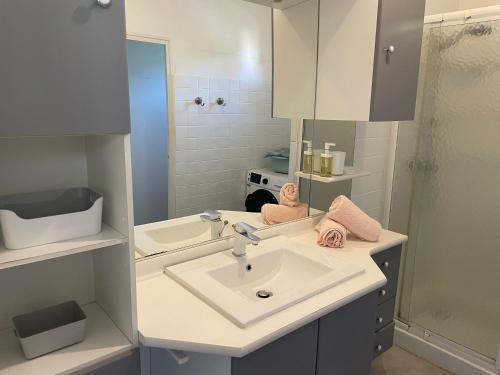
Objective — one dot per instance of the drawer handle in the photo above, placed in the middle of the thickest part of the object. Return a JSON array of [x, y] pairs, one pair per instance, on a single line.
[[383, 292], [386, 264], [379, 348], [380, 320]]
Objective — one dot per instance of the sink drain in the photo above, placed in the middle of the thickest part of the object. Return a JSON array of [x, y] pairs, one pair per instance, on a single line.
[[264, 293]]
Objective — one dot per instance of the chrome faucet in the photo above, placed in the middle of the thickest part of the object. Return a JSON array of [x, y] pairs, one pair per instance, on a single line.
[[216, 224], [243, 237]]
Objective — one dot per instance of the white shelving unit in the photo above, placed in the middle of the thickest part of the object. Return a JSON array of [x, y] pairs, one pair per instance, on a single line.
[[96, 271], [103, 341], [106, 238], [329, 180]]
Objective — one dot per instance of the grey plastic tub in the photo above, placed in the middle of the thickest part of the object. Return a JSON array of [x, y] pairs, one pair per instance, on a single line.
[[44, 331], [39, 218]]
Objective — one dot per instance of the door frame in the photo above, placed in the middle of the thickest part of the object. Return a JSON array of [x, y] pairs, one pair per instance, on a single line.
[[169, 89]]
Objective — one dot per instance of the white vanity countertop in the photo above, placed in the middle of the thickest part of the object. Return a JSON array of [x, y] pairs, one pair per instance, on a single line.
[[171, 317]]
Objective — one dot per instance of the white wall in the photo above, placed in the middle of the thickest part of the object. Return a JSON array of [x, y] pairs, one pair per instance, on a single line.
[[372, 153], [444, 6], [217, 145], [218, 48], [221, 38]]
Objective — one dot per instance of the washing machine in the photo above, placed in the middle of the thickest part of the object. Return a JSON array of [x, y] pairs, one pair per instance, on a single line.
[[263, 186]]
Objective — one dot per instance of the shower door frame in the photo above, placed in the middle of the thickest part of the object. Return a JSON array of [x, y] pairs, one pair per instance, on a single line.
[[435, 348]]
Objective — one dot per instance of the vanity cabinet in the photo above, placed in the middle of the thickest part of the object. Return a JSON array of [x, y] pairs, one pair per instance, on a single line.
[[345, 342], [293, 354], [338, 343], [63, 69]]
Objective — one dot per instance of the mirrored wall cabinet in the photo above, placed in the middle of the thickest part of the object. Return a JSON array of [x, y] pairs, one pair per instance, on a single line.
[[359, 59]]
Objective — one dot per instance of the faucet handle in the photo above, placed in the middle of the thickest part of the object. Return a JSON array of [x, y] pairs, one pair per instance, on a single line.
[[243, 228], [211, 215]]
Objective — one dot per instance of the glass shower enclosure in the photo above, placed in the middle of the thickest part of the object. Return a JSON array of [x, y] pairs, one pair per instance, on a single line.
[[446, 189]]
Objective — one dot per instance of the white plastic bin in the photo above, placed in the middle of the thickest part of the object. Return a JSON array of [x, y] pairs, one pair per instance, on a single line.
[[33, 219], [44, 331]]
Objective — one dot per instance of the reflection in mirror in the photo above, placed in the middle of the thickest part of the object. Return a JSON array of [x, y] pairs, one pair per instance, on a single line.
[[207, 152], [332, 170]]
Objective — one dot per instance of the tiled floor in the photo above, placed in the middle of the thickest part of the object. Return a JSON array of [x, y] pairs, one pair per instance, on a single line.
[[396, 361]]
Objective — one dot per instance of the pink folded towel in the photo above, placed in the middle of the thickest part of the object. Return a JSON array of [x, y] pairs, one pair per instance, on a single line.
[[278, 213], [331, 233], [357, 222], [289, 195]]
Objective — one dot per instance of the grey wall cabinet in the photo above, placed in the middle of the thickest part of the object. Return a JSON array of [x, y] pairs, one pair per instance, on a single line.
[[63, 68], [395, 74], [368, 59]]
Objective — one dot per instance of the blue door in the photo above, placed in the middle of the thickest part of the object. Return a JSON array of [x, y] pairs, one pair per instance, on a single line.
[[149, 134]]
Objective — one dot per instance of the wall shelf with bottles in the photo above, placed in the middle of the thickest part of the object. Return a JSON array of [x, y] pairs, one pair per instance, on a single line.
[[328, 180]]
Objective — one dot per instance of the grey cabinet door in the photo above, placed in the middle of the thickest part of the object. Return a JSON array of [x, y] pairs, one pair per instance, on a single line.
[[394, 90], [293, 354], [63, 68], [345, 342]]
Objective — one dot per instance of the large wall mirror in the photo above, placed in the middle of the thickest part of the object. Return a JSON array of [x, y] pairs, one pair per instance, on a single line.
[[220, 109]]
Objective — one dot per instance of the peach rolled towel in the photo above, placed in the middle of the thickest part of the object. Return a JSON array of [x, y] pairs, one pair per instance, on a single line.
[[278, 213], [289, 195], [331, 233], [357, 222]]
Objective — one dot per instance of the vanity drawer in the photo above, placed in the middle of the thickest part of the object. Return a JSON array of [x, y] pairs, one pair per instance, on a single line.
[[384, 340], [388, 261], [385, 314]]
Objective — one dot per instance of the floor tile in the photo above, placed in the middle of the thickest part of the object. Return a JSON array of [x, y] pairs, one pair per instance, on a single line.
[[396, 361]]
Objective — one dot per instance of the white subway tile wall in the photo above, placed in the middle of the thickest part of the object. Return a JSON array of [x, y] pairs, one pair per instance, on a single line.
[[371, 154], [216, 145]]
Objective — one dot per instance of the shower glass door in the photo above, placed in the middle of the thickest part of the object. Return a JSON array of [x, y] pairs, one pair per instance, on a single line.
[[453, 258]]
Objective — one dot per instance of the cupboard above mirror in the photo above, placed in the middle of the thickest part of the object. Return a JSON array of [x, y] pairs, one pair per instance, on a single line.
[[347, 59]]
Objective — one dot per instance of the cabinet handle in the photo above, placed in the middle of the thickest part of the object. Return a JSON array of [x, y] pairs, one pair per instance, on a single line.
[[383, 292], [104, 3], [389, 50], [380, 320], [386, 264]]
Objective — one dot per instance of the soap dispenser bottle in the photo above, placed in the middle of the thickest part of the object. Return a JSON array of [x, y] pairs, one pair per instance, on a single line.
[[307, 161], [327, 161]]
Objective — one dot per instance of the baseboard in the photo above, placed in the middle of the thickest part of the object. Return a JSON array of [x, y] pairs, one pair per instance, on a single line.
[[441, 352]]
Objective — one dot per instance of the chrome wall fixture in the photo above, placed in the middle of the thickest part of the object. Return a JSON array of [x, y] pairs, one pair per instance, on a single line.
[[199, 101], [104, 3]]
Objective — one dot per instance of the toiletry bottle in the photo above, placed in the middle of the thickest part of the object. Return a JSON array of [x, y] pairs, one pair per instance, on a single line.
[[327, 161], [307, 161]]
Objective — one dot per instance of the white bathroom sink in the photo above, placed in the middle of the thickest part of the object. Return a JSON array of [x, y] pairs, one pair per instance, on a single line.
[[186, 231], [283, 270]]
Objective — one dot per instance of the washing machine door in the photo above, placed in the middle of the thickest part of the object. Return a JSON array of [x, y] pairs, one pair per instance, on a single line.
[[258, 198]]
